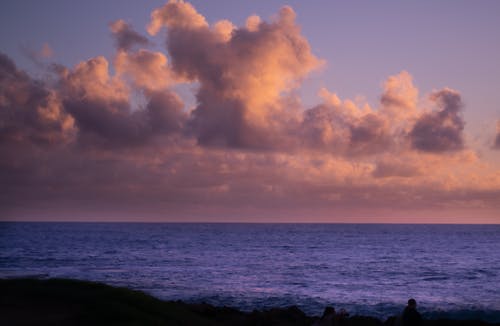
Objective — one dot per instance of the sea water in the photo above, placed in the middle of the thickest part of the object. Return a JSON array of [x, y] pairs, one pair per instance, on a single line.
[[371, 269]]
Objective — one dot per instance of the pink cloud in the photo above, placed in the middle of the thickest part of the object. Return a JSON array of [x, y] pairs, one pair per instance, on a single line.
[[101, 107], [125, 36], [442, 130], [124, 145], [29, 110], [242, 72], [176, 14], [148, 70]]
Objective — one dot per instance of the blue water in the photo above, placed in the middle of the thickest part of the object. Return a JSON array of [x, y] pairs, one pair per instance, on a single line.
[[452, 270]]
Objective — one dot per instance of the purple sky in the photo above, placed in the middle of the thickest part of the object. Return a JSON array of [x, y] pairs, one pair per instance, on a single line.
[[334, 112]]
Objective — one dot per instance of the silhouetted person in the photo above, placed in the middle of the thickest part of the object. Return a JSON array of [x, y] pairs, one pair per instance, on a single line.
[[328, 318], [411, 317], [341, 317]]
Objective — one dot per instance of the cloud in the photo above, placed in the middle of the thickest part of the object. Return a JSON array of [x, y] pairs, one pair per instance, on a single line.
[[30, 112], [165, 113], [369, 134], [496, 144], [125, 36], [100, 105], [399, 101], [396, 167], [90, 80], [399, 92], [184, 181], [442, 130], [148, 70], [40, 55], [86, 105], [176, 14], [224, 29], [399, 125], [93, 143], [46, 51], [345, 129], [242, 72]]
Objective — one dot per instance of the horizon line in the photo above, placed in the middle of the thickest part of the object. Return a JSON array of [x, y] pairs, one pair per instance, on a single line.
[[241, 222]]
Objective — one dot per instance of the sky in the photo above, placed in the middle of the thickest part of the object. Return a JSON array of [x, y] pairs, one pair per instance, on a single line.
[[262, 111]]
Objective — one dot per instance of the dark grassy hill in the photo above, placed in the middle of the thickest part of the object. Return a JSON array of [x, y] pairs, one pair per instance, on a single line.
[[32, 302]]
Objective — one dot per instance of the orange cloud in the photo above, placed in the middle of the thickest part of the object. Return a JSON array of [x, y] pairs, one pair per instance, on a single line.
[[98, 142], [242, 72], [147, 69], [176, 14]]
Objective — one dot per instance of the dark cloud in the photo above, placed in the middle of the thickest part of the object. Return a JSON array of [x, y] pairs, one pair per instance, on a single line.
[[126, 37], [85, 106], [369, 135], [100, 105], [442, 130], [7, 66], [165, 113], [29, 110], [339, 131], [496, 144], [103, 123]]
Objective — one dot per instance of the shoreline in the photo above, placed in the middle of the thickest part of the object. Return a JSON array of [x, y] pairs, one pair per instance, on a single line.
[[31, 301]]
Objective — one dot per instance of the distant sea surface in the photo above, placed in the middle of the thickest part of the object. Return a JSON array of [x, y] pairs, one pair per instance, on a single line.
[[451, 270]]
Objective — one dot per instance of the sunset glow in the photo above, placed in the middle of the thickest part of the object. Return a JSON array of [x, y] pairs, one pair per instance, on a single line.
[[206, 117]]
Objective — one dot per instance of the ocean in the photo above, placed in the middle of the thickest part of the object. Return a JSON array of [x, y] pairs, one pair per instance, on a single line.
[[452, 271]]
